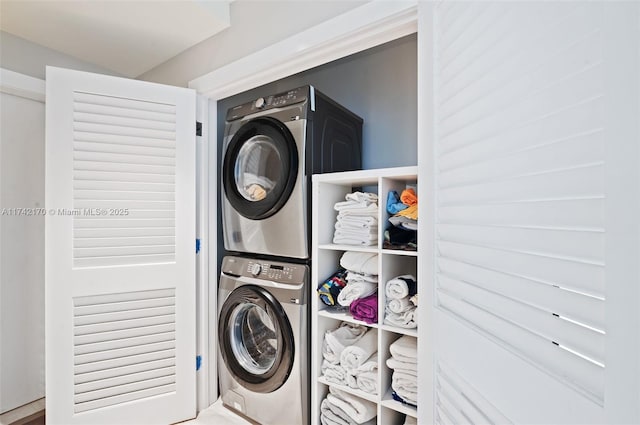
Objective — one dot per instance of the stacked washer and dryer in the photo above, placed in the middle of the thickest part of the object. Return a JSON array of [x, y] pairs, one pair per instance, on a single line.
[[272, 146]]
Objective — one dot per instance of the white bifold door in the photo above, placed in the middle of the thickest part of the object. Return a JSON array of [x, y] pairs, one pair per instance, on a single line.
[[536, 180], [120, 250]]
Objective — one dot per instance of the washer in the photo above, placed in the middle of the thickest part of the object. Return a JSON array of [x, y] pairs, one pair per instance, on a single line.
[[272, 146], [263, 328]]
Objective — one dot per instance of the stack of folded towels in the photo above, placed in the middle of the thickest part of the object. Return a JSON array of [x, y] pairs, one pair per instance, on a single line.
[[403, 361], [357, 222], [402, 301], [350, 357], [360, 292], [341, 408]]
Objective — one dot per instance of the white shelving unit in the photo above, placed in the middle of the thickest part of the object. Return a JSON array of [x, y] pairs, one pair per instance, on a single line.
[[327, 190]]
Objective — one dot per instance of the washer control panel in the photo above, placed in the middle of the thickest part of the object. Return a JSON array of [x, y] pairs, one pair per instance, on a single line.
[[265, 269], [264, 103]]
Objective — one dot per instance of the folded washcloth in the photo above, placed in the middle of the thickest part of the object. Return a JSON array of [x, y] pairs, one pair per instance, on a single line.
[[355, 290], [406, 320], [405, 349], [337, 339], [354, 356], [361, 197], [367, 375], [394, 205], [400, 286], [357, 220], [365, 309], [356, 408], [333, 372], [403, 367], [360, 262], [329, 290], [399, 305], [409, 197]]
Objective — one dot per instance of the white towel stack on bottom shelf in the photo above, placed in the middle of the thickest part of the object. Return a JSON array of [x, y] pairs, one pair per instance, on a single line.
[[341, 408], [351, 357], [404, 362], [357, 221]]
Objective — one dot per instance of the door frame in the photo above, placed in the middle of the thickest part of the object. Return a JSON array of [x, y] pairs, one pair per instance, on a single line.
[[367, 26]]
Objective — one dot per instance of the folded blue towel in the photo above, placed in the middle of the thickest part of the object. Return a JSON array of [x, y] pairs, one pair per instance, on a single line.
[[394, 205]]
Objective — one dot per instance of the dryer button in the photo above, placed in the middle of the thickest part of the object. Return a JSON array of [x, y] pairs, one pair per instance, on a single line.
[[255, 269]]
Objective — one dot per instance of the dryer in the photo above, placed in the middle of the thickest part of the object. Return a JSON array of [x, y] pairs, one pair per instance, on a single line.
[[271, 148], [263, 331]]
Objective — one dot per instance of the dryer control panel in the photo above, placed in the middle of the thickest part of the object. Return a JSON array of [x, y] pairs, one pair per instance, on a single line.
[[265, 103], [265, 269]]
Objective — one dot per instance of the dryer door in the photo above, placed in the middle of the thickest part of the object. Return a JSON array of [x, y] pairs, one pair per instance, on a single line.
[[256, 339], [260, 168]]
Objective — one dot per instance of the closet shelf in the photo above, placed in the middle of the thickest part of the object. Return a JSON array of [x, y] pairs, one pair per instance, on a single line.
[[355, 248], [358, 393], [399, 252], [345, 317], [390, 403]]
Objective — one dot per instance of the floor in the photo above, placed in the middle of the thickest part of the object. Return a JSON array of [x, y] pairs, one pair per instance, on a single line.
[[217, 414]]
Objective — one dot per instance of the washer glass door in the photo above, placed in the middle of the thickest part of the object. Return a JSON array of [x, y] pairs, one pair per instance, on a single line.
[[256, 339], [260, 168]]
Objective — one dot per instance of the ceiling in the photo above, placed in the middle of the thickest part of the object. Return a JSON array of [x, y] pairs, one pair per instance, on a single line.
[[127, 37]]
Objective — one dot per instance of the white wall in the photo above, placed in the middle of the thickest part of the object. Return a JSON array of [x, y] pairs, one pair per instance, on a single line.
[[21, 252], [254, 25], [25, 57]]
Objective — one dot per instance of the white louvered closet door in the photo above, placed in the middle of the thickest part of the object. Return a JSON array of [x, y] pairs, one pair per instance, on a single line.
[[120, 250], [536, 159]]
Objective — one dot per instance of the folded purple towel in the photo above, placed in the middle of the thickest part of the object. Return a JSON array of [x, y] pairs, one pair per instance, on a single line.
[[365, 309]]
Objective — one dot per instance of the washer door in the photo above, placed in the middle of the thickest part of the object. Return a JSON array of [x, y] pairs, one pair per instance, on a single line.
[[260, 168], [256, 339]]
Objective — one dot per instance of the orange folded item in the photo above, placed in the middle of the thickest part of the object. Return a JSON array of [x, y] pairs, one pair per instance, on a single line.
[[409, 197]]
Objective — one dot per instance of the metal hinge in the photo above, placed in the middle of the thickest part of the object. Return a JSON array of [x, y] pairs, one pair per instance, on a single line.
[[198, 362], [197, 246], [198, 128]]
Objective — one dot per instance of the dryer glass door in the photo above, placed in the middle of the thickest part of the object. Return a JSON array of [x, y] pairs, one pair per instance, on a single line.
[[256, 339], [260, 168]]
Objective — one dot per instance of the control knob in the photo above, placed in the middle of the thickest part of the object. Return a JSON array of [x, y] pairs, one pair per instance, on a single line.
[[255, 269], [259, 103]]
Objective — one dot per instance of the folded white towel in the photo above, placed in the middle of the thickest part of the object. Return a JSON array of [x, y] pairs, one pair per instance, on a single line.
[[354, 356], [357, 220], [397, 287], [402, 367], [410, 420], [356, 227], [405, 320], [333, 372], [367, 375], [358, 277], [356, 408], [355, 241], [354, 290], [399, 305], [360, 262], [333, 415], [354, 205], [370, 210], [365, 235], [406, 386], [405, 349], [361, 197], [337, 339]]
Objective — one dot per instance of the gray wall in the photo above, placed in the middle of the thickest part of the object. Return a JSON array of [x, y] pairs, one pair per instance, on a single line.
[[25, 57], [254, 26], [379, 84]]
